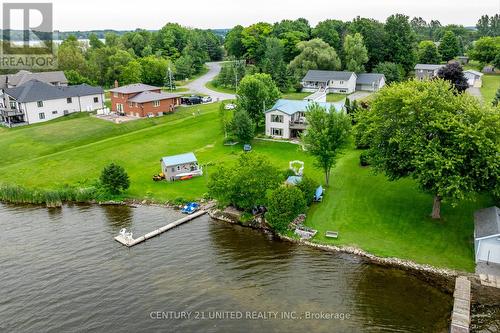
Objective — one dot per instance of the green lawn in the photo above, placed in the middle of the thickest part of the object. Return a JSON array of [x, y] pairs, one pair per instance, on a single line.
[[225, 90], [301, 95], [491, 83], [391, 218], [385, 218]]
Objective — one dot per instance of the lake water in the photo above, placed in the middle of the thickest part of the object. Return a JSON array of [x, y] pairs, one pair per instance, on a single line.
[[61, 271]]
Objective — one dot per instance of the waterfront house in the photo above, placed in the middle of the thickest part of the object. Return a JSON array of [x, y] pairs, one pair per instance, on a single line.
[[426, 71], [35, 101], [142, 100], [286, 119], [487, 240], [179, 167], [474, 78]]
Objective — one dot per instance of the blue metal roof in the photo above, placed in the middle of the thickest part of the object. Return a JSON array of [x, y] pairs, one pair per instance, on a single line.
[[293, 106], [179, 159], [293, 180]]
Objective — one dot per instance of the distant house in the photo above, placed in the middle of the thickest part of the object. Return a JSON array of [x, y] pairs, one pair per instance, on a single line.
[[474, 78], [341, 82], [370, 81], [426, 71], [142, 100], [487, 237], [35, 101], [463, 60], [180, 166], [13, 80], [329, 81], [286, 119]]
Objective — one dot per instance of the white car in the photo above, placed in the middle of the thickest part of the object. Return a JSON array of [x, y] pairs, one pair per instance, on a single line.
[[230, 106], [206, 99]]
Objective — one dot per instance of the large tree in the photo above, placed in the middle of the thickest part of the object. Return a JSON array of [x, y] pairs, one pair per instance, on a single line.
[[454, 74], [401, 41], [253, 38], [374, 36], [355, 53], [449, 47], [331, 32], [446, 142], [428, 53], [243, 127], [314, 54], [285, 204], [393, 72], [485, 50], [256, 93], [273, 62], [233, 42], [327, 134]]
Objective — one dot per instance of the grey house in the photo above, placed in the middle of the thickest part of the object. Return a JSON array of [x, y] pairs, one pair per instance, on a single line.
[[426, 71], [370, 81], [56, 78], [487, 240], [178, 167]]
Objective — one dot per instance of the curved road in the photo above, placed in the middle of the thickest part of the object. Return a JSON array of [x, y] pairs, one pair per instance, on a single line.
[[198, 85]]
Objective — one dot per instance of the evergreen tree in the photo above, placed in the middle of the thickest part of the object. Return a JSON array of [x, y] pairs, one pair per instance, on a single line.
[[449, 47]]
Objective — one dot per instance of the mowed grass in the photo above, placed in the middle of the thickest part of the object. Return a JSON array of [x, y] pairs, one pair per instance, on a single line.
[[220, 89], [382, 217], [391, 219], [491, 83]]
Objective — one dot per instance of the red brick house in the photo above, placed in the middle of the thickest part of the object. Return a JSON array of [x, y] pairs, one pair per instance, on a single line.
[[142, 100]]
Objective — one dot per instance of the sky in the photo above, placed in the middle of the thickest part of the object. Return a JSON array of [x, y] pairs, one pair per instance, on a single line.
[[153, 14]]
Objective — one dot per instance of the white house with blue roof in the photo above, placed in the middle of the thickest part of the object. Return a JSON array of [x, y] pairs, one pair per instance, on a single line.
[[183, 166], [286, 119]]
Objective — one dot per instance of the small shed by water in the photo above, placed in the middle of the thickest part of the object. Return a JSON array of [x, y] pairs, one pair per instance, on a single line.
[[180, 167]]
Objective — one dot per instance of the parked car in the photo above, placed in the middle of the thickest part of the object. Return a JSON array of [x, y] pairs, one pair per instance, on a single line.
[[191, 100], [206, 99], [230, 106]]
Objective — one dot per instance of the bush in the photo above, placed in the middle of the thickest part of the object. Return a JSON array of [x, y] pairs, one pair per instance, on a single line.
[[364, 159], [114, 179], [285, 204], [308, 187]]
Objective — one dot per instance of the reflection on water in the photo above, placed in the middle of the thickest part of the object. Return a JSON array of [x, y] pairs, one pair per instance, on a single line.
[[72, 276]]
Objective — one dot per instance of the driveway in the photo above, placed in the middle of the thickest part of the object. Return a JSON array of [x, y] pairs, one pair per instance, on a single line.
[[473, 91], [198, 85], [359, 95]]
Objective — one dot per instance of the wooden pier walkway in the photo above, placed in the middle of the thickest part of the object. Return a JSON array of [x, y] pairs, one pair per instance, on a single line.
[[460, 318], [131, 242]]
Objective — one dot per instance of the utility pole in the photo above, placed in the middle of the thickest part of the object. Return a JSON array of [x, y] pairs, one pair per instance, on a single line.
[[169, 76]]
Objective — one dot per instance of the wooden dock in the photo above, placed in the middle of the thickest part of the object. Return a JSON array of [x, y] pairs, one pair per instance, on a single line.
[[460, 318], [131, 242]]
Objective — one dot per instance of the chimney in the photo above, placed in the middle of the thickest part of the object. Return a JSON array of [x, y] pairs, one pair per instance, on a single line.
[[116, 84]]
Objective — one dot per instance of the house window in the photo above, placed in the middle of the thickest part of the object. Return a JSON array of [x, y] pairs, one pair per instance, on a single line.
[[119, 107], [115, 94], [178, 168], [54, 112], [276, 118], [13, 105], [156, 103], [41, 115], [96, 99], [69, 100], [173, 169], [65, 112], [341, 82], [130, 104], [276, 132], [39, 104]]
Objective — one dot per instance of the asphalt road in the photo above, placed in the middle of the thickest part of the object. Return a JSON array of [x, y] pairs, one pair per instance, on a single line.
[[198, 85]]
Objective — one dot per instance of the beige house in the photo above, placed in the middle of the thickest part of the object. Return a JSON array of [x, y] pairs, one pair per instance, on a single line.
[[178, 167], [474, 78]]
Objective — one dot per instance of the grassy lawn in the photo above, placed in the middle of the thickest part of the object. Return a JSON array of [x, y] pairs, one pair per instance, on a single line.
[[391, 218], [301, 95], [385, 218], [491, 82], [225, 90]]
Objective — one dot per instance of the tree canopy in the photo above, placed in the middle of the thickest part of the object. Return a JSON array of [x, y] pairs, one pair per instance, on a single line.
[[428, 53], [446, 142], [355, 53]]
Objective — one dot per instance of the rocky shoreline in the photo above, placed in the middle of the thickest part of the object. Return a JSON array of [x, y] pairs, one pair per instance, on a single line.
[[441, 278]]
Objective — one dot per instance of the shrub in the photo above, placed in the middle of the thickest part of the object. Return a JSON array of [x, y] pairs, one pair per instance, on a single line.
[[364, 159], [308, 187], [114, 179], [285, 204]]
